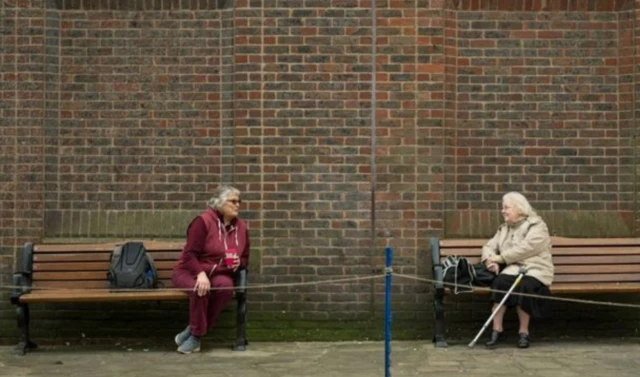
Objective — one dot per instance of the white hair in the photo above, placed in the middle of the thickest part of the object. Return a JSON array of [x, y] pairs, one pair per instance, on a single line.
[[221, 194], [520, 203]]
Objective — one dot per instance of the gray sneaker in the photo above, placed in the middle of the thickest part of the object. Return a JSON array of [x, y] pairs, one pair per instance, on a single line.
[[181, 337], [190, 345]]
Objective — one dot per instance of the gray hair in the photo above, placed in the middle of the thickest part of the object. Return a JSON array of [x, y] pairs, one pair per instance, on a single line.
[[519, 203], [221, 194]]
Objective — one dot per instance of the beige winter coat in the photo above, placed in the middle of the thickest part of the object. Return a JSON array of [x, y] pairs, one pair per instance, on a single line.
[[526, 244]]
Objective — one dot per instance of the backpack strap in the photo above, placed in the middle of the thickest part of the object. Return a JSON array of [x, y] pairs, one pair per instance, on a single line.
[[117, 251], [156, 280], [115, 255]]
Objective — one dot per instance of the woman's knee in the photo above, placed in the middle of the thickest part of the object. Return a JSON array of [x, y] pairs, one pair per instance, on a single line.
[[183, 281], [222, 281]]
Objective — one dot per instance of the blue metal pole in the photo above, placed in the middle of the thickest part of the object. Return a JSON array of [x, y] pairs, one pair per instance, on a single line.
[[387, 310]]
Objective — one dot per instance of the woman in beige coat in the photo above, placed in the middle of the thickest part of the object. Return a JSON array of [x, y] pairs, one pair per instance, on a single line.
[[521, 242]]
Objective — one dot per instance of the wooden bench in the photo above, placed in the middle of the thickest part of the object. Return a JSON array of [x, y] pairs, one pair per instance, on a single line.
[[56, 273], [582, 265]]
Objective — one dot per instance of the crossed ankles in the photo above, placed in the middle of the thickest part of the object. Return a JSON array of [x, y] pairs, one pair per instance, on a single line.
[[192, 344], [499, 336], [186, 342]]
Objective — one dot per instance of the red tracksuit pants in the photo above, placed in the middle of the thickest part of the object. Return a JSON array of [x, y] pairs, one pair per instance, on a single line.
[[205, 310]]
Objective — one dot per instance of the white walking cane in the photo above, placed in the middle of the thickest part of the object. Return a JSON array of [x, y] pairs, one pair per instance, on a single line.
[[515, 284]]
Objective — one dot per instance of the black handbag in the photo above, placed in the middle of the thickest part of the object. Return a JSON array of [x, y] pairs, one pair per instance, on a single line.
[[464, 276], [482, 277]]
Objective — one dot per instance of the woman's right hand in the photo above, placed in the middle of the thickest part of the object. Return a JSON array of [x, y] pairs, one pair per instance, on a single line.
[[493, 267], [203, 285]]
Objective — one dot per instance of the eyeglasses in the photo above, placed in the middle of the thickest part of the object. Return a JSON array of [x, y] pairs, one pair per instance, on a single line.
[[235, 202]]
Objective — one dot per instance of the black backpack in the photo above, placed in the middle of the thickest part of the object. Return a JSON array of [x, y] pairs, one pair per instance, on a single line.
[[132, 267], [464, 275]]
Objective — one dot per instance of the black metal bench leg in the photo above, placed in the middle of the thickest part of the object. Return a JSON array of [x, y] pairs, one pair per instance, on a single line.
[[241, 312], [25, 342], [241, 319], [438, 306]]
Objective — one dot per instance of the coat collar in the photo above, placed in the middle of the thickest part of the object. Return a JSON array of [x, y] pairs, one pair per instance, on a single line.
[[531, 220]]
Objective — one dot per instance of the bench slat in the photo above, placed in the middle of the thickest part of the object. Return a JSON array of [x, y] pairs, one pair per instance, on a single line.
[[594, 288], [163, 245], [555, 241], [100, 296], [71, 266], [92, 266], [596, 278], [165, 255], [603, 269], [77, 257], [575, 288], [460, 252], [471, 242], [81, 284], [72, 257], [76, 248], [597, 259], [84, 275], [589, 242], [107, 246], [587, 260], [597, 250]]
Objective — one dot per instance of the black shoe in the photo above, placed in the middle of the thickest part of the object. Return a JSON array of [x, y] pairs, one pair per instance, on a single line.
[[496, 337], [523, 340]]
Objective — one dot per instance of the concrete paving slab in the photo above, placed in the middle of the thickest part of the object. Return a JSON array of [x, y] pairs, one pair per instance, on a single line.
[[349, 359]]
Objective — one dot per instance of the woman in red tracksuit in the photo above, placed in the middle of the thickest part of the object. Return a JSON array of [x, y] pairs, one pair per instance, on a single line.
[[201, 270]]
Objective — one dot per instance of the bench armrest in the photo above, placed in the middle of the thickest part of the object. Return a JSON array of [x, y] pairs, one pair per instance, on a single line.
[[21, 284], [27, 258], [438, 272], [240, 281], [22, 280]]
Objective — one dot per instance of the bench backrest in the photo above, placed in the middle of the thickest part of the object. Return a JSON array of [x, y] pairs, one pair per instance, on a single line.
[[86, 265], [581, 264]]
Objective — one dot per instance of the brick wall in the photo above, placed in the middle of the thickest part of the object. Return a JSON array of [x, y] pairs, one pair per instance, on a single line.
[[140, 110], [145, 123], [626, 122], [636, 91], [22, 92], [8, 87], [23, 113], [7, 156], [120, 117], [543, 107], [311, 157]]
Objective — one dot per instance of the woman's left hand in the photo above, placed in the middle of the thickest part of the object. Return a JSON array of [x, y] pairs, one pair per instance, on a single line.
[[498, 259]]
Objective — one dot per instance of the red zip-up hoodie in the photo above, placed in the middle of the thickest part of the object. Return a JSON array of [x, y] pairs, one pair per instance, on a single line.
[[207, 240]]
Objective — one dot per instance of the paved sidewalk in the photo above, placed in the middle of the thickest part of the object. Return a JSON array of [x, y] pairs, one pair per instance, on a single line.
[[350, 359]]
